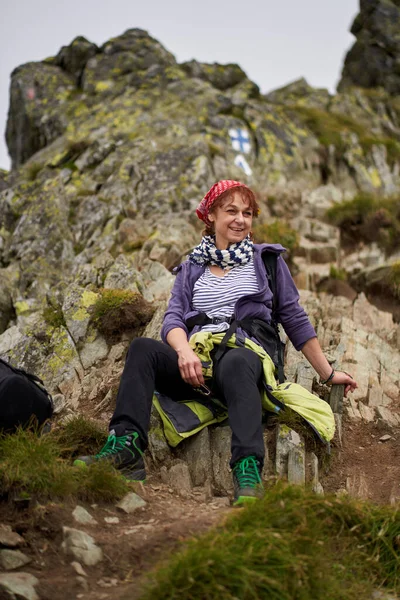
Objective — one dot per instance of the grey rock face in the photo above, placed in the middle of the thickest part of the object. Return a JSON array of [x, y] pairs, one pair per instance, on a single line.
[[374, 60], [82, 516], [35, 117]]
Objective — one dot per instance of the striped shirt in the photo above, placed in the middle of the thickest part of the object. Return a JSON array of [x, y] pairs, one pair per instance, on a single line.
[[217, 296]]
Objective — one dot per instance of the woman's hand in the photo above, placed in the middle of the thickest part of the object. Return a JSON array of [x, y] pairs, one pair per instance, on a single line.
[[343, 378], [190, 366]]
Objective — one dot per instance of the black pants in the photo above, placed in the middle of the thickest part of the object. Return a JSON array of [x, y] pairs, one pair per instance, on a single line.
[[21, 401], [153, 365]]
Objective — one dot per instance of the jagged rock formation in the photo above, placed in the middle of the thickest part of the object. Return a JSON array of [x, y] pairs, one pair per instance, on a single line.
[[112, 149], [374, 60]]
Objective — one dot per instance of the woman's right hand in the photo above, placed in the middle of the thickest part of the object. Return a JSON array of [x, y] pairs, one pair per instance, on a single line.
[[190, 366]]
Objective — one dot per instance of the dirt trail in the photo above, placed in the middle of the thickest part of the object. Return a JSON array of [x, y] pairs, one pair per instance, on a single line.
[[138, 541]]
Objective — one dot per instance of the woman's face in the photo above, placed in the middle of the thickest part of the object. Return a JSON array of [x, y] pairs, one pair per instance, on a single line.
[[232, 221]]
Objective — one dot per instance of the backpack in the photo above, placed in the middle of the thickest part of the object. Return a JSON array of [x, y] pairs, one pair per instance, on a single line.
[[32, 399]]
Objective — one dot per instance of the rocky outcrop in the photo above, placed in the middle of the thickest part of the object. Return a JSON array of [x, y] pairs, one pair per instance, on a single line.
[[374, 60]]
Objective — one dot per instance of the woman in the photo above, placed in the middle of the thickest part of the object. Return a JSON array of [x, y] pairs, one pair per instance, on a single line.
[[223, 279]]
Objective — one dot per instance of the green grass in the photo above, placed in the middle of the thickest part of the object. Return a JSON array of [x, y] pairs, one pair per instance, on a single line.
[[337, 273], [41, 466], [117, 310], [54, 316], [368, 218], [276, 232], [292, 545], [329, 129], [394, 279]]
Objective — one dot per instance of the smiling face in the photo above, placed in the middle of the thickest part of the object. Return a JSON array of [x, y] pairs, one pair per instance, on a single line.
[[232, 220]]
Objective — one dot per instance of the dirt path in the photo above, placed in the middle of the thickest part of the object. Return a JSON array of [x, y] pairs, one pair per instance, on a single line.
[[132, 546]]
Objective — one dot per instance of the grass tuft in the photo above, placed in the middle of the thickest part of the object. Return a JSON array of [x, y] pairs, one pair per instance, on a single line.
[[292, 545], [33, 465], [117, 310], [80, 436]]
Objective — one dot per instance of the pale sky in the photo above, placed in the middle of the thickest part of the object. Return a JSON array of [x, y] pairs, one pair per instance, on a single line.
[[275, 42]]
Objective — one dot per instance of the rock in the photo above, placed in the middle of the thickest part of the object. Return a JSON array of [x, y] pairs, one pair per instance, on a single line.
[[36, 116], [220, 443], [388, 416], [82, 546], [288, 441], [79, 570], [357, 486], [9, 538], [374, 59], [13, 559], [296, 466], [130, 503], [93, 352], [196, 452], [385, 438], [220, 76], [19, 585], [59, 403], [111, 520], [82, 516], [178, 478], [73, 58]]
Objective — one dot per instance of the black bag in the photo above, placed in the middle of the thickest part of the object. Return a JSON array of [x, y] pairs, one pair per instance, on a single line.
[[24, 399]]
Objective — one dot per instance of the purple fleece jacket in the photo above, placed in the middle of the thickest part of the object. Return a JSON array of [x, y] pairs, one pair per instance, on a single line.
[[292, 316]]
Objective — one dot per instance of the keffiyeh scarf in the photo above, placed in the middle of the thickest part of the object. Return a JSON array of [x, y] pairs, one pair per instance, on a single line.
[[206, 253]]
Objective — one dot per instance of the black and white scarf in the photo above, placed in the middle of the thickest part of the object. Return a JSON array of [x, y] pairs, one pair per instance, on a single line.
[[206, 253]]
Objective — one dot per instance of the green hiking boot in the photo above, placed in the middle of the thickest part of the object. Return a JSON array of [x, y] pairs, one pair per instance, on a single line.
[[122, 452], [247, 480]]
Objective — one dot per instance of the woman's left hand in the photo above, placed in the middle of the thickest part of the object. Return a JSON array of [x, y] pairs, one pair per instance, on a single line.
[[343, 378]]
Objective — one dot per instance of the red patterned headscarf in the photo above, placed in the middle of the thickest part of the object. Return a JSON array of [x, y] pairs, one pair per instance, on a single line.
[[213, 193]]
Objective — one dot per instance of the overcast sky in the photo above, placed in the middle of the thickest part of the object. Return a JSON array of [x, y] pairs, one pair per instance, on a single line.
[[275, 41]]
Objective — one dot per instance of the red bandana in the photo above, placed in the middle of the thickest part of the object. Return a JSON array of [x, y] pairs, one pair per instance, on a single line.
[[213, 193]]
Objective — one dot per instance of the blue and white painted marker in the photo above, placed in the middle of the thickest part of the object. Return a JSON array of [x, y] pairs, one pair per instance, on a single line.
[[240, 140], [242, 163]]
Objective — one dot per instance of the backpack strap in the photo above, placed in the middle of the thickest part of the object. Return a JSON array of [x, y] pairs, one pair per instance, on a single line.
[[270, 260]]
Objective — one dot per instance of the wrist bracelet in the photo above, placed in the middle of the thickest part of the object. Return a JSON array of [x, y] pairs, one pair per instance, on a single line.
[[329, 378]]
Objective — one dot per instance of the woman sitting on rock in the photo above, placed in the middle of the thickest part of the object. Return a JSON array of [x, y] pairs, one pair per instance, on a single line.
[[222, 286]]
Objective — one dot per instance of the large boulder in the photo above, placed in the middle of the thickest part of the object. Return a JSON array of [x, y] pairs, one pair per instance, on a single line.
[[374, 60], [36, 116]]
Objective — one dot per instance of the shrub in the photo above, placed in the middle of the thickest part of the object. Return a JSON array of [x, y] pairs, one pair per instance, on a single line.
[[291, 545], [277, 232], [368, 218], [336, 273], [80, 436], [118, 310]]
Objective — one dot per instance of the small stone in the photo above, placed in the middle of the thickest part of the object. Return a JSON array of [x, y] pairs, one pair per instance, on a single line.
[[131, 502], [111, 520], [19, 585], [82, 546], [82, 516], [9, 538], [83, 583], [107, 582], [79, 570], [385, 438], [13, 559], [220, 502]]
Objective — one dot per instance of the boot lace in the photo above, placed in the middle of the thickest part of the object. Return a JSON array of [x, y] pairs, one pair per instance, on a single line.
[[246, 472], [115, 444]]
